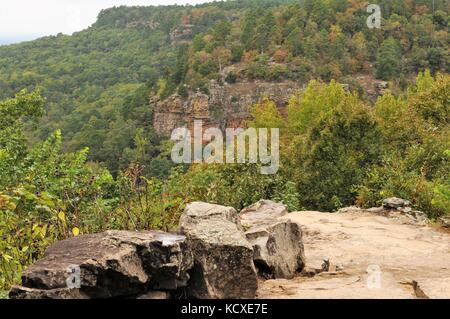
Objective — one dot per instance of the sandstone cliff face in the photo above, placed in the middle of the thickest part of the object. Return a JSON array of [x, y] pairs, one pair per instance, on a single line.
[[182, 33], [226, 106]]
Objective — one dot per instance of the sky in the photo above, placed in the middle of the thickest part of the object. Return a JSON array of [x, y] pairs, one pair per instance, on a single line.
[[22, 20]]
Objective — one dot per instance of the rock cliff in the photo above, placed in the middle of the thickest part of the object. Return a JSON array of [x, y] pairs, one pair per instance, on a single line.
[[226, 105]]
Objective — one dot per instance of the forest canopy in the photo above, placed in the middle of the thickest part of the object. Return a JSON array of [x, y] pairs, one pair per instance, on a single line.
[[97, 82]]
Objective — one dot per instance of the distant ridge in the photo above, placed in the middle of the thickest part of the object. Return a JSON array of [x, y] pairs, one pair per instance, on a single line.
[[13, 39]]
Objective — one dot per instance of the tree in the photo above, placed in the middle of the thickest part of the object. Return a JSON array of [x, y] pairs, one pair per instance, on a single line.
[[181, 67], [12, 140], [335, 154], [388, 59], [221, 31], [431, 99], [247, 34], [436, 59], [266, 115], [45, 195], [294, 41], [265, 28], [222, 56], [306, 108]]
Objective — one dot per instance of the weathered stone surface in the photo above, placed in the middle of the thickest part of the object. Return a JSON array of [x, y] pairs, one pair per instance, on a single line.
[[278, 249], [262, 213], [18, 292], [445, 221], [403, 214], [155, 295], [227, 105], [223, 256], [361, 242], [109, 264], [395, 203], [199, 211], [182, 33], [277, 244]]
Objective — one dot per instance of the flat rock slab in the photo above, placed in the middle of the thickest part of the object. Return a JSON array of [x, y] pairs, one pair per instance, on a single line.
[[223, 266], [20, 292], [411, 261], [199, 211], [343, 286], [109, 264], [261, 214]]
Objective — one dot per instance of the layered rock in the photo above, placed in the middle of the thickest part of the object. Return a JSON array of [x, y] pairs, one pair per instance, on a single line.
[[223, 265], [182, 33], [226, 106], [396, 208], [215, 258], [395, 203], [277, 242], [20, 292], [197, 212], [109, 264]]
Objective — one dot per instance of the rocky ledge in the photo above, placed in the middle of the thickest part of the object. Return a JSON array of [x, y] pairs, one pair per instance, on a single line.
[[213, 256], [108, 265], [390, 251]]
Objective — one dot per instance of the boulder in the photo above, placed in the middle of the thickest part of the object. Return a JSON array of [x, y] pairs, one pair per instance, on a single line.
[[19, 292], [445, 221], [277, 249], [223, 267], [109, 264], [395, 203], [277, 242]]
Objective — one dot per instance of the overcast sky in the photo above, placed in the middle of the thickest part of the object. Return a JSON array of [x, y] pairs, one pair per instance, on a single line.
[[26, 19]]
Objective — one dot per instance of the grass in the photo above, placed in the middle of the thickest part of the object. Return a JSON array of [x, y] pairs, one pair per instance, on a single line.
[[3, 294]]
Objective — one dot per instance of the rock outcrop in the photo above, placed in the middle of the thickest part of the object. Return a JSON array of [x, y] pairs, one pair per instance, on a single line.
[[197, 212], [277, 243], [395, 203], [226, 106], [182, 33], [261, 213], [382, 252], [214, 258], [223, 266], [395, 208], [445, 221], [107, 265]]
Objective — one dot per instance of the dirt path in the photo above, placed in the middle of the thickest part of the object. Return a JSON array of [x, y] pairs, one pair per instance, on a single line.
[[376, 257]]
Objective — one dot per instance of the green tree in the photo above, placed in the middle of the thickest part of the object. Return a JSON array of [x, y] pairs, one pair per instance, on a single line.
[[335, 154], [265, 29], [388, 59]]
